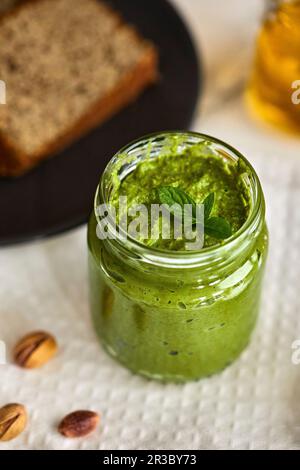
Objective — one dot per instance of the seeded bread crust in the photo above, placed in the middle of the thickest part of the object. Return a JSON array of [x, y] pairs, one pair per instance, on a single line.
[[15, 161]]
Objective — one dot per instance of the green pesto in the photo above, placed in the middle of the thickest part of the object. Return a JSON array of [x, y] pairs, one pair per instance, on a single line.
[[196, 170], [176, 324]]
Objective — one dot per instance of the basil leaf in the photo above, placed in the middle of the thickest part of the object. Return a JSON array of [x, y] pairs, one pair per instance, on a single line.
[[208, 205], [217, 227], [169, 195]]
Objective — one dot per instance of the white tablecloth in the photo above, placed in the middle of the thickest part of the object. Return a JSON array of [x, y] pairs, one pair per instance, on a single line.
[[252, 404]]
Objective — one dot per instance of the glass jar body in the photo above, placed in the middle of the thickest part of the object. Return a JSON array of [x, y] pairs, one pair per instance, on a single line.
[[174, 326], [171, 315]]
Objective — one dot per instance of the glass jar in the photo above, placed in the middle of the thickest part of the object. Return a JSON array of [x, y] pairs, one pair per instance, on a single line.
[[274, 88], [176, 316]]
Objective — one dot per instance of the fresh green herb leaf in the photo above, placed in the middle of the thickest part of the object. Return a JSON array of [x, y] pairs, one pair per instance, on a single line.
[[208, 205], [169, 196], [218, 227]]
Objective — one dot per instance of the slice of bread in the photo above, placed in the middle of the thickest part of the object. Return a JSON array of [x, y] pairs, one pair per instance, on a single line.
[[68, 65]]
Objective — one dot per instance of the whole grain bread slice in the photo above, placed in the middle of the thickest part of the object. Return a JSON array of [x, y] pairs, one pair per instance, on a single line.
[[68, 66]]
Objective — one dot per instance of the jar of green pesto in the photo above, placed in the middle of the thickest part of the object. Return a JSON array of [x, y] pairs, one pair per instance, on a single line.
[[163, 311]]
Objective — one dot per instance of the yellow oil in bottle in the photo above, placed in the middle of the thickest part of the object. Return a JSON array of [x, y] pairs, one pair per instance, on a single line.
[[274, 88]]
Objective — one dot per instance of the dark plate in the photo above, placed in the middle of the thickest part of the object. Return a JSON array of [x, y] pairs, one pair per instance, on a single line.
[[58, 195]]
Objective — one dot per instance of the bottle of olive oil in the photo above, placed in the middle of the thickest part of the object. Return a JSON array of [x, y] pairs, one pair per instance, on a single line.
[[274, 87]]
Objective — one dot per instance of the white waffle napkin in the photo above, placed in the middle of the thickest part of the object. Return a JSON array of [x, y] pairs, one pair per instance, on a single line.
[[254, 404]]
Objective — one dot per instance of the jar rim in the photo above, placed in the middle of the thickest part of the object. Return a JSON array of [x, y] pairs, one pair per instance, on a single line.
[[188, 258]]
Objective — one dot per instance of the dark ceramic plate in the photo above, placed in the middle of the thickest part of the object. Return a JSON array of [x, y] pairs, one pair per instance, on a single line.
[[58, 195]]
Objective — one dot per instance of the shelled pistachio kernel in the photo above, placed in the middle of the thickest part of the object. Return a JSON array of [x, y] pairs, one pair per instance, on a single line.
[[35, 349], [13, 419]]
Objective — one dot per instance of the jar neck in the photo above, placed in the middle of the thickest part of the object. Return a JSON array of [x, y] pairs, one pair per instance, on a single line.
[[219, 257]]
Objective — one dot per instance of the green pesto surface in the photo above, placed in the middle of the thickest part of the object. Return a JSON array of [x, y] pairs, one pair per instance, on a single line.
[[196, 170]]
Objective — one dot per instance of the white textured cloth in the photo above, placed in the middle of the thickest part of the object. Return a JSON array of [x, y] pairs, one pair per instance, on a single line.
[[253, 404]]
